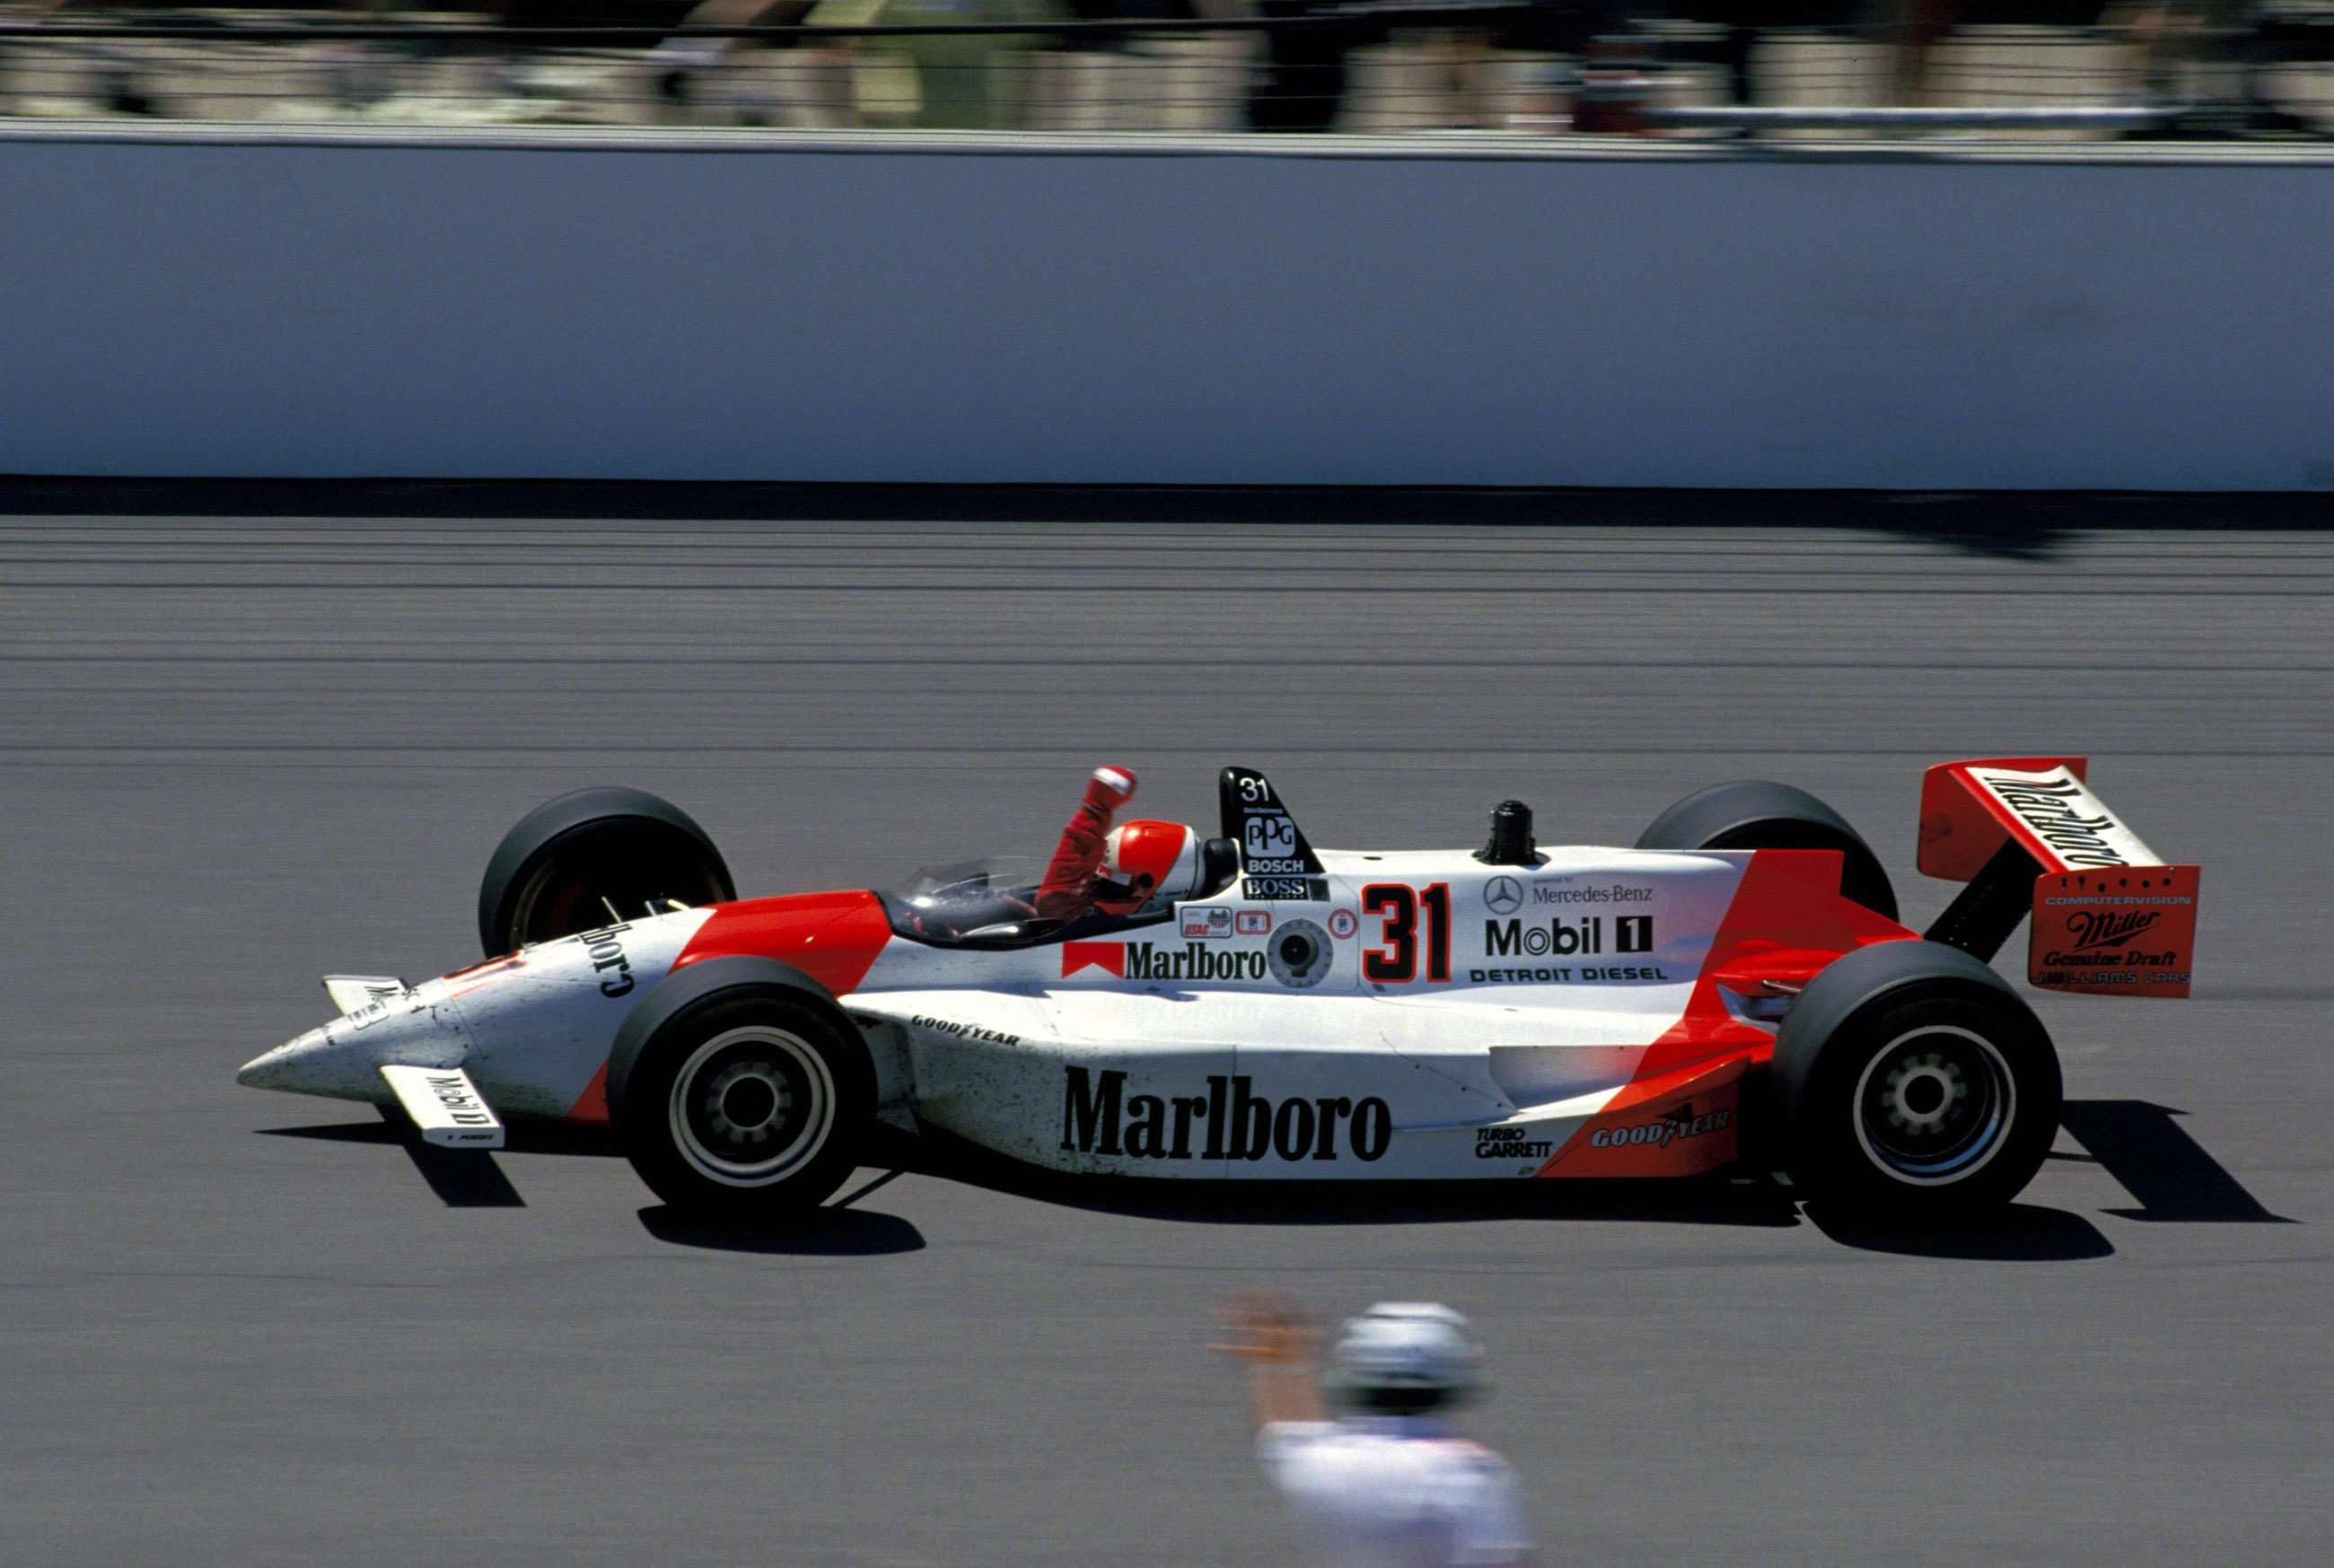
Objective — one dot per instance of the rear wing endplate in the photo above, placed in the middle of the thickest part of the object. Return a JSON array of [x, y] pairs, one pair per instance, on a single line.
[[2110, 916]]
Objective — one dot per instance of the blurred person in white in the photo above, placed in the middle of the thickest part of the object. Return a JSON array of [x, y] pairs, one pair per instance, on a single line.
[[1387, 1483], [682, 58]]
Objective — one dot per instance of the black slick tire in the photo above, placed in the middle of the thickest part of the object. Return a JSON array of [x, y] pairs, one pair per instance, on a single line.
[[564, 864], [740, 1092], [1758, 814], [1914, 1084]]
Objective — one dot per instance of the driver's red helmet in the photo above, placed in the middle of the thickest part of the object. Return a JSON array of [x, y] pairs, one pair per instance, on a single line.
[[1144, 860]]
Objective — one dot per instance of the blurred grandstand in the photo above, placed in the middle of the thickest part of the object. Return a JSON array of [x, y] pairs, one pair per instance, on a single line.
[[1784, 68]]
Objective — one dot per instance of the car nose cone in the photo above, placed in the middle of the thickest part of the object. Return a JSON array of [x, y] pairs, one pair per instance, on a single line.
[[287, 1065], [344, 1059]]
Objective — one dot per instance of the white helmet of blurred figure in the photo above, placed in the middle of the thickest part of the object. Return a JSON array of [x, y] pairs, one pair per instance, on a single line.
[[1404, 1358]]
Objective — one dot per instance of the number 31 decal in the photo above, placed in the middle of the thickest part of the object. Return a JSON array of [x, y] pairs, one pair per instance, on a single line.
[[1395, 961]]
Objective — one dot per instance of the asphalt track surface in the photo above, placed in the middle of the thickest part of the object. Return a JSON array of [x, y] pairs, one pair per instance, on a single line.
[[251, 735]]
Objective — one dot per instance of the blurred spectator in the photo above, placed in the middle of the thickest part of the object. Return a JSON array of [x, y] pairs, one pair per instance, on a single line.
[[1613, 51], [937, 81], [1913, 28], [1300, 84], [1388, 1485], [1746, 22], [2172, 35], [1546, 65], [681, 61]]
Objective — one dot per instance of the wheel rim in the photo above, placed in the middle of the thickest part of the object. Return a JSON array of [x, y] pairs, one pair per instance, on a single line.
[[751, 1106], [1935, 1105]]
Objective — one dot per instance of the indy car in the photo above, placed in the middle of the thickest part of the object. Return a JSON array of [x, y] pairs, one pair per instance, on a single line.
[[1244, 1006]]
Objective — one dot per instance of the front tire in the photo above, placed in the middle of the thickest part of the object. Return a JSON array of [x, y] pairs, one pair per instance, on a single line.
[[1916, 1083], [567, 863], [744, 1104]]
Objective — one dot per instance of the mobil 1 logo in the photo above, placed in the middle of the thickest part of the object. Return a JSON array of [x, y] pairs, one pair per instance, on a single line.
[[1558, 936]]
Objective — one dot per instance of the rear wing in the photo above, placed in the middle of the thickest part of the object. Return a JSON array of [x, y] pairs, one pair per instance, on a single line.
[[2110, 917]]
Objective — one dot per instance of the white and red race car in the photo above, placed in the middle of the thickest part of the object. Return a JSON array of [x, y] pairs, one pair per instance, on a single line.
[[1292, 1013]]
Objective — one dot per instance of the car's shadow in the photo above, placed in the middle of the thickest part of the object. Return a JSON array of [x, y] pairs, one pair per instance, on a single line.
[[2030, 525], [519, 1138], [2016, 1233], [831, 1232], [2155, 1159], [2137, 1142], [840, 1228], [1707, 1200], [461, 1178], [473, 1178]]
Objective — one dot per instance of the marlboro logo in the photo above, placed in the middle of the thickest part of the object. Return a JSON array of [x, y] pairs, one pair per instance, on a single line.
[[1230, 1122], [1106, 955], [1151, 961], [2067, 818]]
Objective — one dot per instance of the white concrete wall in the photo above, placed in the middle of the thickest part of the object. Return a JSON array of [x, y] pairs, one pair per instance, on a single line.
[[898, 309]]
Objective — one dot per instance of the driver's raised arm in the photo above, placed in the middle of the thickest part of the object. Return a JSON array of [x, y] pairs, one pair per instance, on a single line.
[[1068, 889]]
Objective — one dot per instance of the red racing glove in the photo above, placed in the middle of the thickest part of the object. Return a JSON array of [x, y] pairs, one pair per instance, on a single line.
[[1067, 892]]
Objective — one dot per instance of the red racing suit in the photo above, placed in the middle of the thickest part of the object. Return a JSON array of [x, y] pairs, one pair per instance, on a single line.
[[1068, 889]]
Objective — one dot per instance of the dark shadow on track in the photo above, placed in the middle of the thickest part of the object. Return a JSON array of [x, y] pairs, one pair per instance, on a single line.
[[2135, 1140], [2018, 1233], [338, 1132], [519, 1137], [461, 1178], [833, 1232], [2028, 525], [558, 1138], [1706, 1200], [2174, 1178]]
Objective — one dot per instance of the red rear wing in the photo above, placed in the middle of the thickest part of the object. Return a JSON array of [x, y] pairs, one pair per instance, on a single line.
[[2109, 916]]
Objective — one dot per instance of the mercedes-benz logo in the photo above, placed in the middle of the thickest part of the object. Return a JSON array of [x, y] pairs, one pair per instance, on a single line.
[[1503, 895]]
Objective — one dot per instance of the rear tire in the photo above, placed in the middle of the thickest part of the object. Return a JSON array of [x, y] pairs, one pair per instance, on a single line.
[[745, 1103], [1914, 1084], [569, 860], [1756, 814]]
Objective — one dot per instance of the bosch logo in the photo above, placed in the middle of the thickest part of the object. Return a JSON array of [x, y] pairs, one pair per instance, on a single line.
[[1503, 895]]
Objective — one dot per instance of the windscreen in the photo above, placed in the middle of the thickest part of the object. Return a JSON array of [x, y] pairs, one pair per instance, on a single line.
[[947, 903]]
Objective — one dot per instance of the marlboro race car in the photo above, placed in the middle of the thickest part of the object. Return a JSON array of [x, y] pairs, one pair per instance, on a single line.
[[1249, 1007]]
